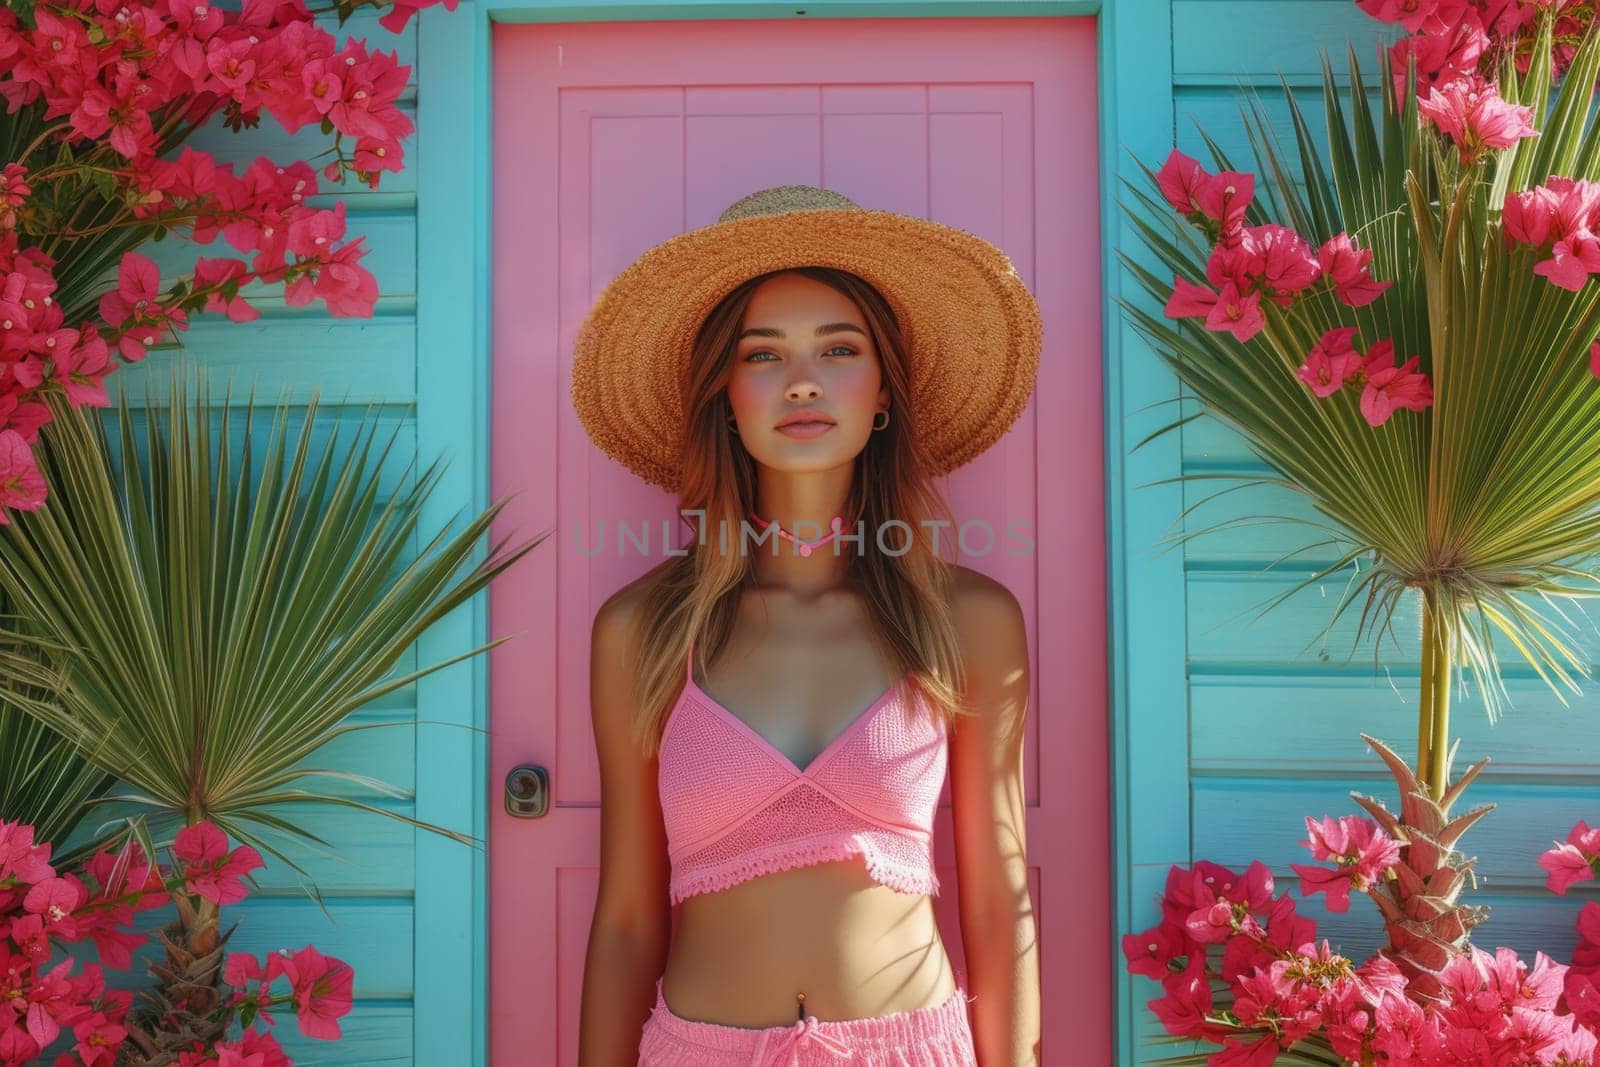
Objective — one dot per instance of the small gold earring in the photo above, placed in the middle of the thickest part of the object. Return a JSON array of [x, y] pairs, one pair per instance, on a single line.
[[733, 425], [885, 415]]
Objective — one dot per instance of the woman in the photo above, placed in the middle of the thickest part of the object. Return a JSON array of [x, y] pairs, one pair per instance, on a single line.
[[775, 711]]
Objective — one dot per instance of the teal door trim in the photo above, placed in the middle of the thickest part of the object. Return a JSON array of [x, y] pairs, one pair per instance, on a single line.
[[452, 156]]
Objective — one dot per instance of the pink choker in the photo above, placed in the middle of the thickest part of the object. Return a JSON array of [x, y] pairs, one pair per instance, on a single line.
[[805, 547]]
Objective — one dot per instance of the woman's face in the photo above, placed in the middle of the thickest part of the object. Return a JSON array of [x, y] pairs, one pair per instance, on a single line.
[[783, 366]]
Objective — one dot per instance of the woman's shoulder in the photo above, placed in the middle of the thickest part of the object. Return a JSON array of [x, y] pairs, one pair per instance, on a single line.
[[977, 600], [989, 624], [621, 610]]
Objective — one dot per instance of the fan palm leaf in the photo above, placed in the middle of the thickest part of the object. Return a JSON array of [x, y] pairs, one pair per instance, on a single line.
[[200, 631], [1483, 506]]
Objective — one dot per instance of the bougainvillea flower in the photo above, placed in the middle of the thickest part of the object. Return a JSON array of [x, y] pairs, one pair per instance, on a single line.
[[1261, 1053], [55, 900], [322, 991], [1189, 299], [1192, 190], [1470, 111], [1187, 1002], [1331, 362], [1153, 952], [1235, 313], [1389, 387], [1529, 217], [210, 871], [1440, 57], [1575, 859], [22, 484], [1281, 259], [20, 858], [1573, 258], [1349, 268], [1359, 847], [1412, 14]]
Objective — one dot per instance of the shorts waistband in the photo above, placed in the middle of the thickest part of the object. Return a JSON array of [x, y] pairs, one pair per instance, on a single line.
[[896, 1029]]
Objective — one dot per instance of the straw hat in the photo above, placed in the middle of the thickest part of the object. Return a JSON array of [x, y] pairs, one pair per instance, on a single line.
[[972, 328]]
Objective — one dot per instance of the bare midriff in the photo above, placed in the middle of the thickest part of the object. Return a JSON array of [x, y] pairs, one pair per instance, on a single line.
[[855, 948]]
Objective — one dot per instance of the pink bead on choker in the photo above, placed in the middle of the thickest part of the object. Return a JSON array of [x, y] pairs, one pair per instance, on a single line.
[[805, 547]]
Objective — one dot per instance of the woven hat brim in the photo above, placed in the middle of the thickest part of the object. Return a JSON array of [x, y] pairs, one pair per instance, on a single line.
[[971, 325]]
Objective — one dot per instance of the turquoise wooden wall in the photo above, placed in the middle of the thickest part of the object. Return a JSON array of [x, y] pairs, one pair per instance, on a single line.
[[1262, 727], [380, 881], [1224, 733]]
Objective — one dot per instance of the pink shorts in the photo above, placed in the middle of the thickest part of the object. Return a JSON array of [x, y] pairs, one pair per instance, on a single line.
[[935, 1036]]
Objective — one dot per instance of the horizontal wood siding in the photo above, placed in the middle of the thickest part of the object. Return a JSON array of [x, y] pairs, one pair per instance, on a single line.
[[366, 876], [1274, 709]]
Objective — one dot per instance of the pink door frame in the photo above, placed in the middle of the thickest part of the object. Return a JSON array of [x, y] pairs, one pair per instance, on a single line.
[[552, 84]]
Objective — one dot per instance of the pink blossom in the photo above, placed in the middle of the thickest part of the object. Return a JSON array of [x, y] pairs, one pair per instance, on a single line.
[[1189, 299], [1574, 860], [1287, 929], [1588, 951], [1282, 259], [1259, 1053], [20, 858], [1412, 14], [1529, 217], [1237, 314], [210, 870], [136, 305], [1573, 258], [1179, 180], [395, 21], [1566, 866], [22, 484], [1441, 57], [1225, 197], [1224, 311], [1193, 191], [1187, 1002], [1361, 850], [1389, 388], [1349, 267], [1189, 888], [322, 991], [214, 273], [1253, 890], [1582, 994], [1470, 111], [1563, 215], [1211, 924], [54, 900], [241, 969], [99, 1038], [1152, 952], [1275, 994], [1331, 361], [14, 192]]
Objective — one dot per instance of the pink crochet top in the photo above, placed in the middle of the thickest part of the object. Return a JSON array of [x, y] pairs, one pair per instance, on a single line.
[[736, 808]]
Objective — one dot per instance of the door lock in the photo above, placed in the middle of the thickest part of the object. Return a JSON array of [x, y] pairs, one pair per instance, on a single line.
[[527, 791]]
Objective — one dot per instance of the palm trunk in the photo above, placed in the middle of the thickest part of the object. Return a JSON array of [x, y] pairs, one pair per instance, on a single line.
[[182, 1008], [1433, 714], [1421, 897]]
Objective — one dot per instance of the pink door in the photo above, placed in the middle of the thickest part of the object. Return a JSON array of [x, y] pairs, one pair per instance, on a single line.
[[611, 137]]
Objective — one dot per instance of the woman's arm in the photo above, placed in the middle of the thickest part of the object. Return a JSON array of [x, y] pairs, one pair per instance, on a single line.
[[628, 937], [997, 928]]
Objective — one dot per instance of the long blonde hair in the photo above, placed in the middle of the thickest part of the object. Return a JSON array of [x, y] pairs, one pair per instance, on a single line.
[[908, 594]]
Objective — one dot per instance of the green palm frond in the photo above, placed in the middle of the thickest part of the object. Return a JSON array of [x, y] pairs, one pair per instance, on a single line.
[[47, 783], [200, 630], [1485, 504]]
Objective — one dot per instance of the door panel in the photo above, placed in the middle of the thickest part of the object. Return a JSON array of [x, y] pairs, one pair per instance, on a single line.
[[612, 137]]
